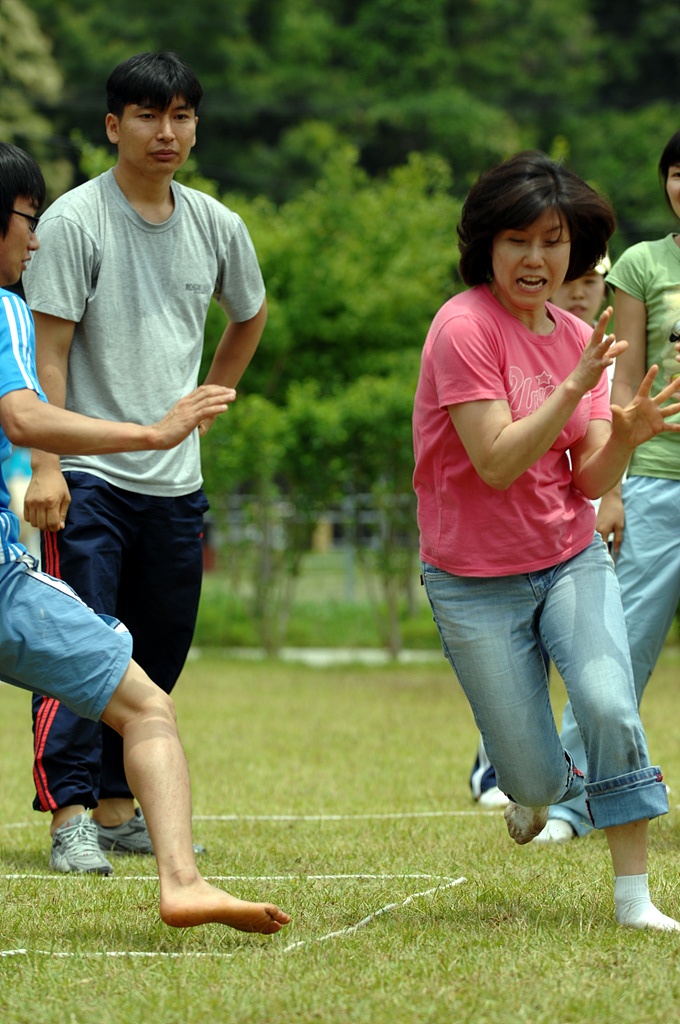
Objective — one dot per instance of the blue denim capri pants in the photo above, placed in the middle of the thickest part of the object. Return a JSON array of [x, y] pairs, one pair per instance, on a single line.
[[52, 643], [500, 634]]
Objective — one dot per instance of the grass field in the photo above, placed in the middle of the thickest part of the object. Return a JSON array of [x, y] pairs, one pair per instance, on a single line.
[[342, 795]]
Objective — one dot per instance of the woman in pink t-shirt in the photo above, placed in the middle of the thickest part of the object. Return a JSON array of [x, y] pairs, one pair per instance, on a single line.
[[514, 437], [585, 297]]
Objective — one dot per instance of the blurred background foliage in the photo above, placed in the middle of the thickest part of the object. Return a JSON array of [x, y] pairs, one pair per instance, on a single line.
[[288, 82]]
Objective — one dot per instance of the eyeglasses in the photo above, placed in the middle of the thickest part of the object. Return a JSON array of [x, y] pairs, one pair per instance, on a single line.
[[32, 221]]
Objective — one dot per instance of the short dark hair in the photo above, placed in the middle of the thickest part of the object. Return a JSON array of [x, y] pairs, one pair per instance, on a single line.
[[20, 177], [514, 194], [154, 80], [669, 158]]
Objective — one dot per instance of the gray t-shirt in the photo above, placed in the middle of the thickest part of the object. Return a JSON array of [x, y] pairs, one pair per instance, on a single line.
[[139, 295]]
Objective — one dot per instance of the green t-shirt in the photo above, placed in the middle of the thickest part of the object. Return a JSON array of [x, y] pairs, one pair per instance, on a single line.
[[650, 272]]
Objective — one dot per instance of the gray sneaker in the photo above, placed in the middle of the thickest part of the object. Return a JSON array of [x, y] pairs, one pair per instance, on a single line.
[[130, 837], [75, 848]]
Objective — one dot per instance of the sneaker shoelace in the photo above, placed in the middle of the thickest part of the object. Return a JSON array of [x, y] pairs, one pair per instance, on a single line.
[[83, 831]]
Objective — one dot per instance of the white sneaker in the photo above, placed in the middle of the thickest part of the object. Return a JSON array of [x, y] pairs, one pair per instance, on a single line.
[[493, 799], [75, 848], [524, 823], [556, 831]]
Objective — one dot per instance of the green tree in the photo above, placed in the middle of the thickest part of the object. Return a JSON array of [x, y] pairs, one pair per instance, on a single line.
[[622, 150], [271, 472], [30, 82], [241, 456], [536, 58], [232, 44], [355, 269], [276, 71], [639, 51], [376, 417]]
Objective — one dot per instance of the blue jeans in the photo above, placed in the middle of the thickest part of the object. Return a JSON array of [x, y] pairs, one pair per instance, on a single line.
[[648, 571], [498, 634]]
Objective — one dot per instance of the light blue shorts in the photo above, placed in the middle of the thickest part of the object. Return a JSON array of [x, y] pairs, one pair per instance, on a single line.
[[53, 644]]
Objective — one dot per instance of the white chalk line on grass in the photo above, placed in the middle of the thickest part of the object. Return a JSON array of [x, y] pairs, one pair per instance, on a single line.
[[121, 954], [396, 815], [339, 934], [352, 928], [446, 882]]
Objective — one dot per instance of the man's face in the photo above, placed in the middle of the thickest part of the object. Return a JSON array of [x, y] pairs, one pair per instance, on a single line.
[[19, 242], [153, 141]]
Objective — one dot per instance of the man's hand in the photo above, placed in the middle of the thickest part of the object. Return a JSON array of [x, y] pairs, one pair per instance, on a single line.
[[47, 499], [199, 407], [205, 425]]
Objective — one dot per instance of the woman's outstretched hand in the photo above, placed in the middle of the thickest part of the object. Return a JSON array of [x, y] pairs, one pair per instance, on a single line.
[[645, 417], [599, 353]]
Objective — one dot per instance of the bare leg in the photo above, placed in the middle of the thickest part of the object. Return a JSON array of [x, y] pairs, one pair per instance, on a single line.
[[634, 907], [628, 847], [158, 775], [114, 811]]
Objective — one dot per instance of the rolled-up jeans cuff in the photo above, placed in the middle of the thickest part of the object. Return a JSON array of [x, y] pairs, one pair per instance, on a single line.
[[626, 798]]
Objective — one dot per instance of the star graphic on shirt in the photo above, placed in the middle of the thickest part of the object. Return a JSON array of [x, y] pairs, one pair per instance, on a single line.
[[544, 379]]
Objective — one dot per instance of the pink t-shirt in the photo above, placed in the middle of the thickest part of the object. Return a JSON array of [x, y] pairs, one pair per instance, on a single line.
[[476, 350]]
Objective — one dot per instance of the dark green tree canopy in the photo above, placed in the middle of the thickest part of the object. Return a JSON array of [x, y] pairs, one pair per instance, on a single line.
[[473, 81]]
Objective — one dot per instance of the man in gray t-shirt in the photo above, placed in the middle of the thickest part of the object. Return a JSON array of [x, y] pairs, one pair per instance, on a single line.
[[120, 295]]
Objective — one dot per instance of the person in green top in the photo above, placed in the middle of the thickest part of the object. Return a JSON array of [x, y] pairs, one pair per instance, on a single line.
[[642, 515]]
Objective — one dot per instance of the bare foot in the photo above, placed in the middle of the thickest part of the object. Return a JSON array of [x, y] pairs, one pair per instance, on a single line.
[[201, 903], [524, 822]]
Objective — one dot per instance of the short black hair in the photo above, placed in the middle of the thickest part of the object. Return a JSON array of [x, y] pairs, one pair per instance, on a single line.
[[514, 194], [669, 158], [154, 80], [20, 178]]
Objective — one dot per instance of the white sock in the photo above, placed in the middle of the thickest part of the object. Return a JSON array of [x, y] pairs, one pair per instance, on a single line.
[[634, 908]]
